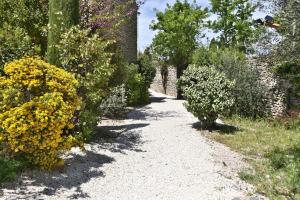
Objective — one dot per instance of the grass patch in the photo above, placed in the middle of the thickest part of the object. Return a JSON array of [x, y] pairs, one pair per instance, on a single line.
[[273, 149], [9, 169]]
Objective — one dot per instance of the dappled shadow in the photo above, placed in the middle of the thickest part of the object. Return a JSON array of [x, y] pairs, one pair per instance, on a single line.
[[119, 138], [79, 169], [220, 128], [113, 131], [147, 114], [125, 142]]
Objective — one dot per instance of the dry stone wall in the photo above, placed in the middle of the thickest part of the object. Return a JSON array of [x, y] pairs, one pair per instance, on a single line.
[[277, 94], [165, 81]]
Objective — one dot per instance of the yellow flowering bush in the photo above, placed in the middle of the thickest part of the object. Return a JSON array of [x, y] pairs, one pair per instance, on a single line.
[[37, 106]]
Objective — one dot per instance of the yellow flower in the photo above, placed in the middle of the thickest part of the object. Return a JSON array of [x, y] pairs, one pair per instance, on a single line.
[[36, 126]]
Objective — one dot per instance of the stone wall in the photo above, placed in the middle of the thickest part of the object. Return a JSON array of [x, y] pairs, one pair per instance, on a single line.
[[277, 94], [169, 75], [128, 35]]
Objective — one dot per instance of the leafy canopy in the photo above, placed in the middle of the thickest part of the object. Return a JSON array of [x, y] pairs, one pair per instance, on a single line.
[[234, 22], [178, 28]]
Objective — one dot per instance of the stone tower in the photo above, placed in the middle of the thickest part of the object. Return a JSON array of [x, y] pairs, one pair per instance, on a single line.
[[128, 33]]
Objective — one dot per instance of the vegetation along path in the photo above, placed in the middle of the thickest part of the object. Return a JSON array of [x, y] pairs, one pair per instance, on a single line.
[[157, 155]]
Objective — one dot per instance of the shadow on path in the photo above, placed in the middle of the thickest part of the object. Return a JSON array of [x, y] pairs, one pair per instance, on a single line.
[[220, 128], [120, 138], [157, 99], [146, 114], [79, 169]]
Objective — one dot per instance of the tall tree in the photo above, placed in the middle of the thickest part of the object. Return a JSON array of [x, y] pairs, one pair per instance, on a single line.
[[62, 15], [178, 28], [234, 22]]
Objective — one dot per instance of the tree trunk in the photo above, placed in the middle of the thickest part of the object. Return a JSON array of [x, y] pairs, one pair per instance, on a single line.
[[63, 14]]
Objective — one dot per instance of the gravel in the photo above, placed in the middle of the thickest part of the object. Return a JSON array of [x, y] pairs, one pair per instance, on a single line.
[[155, 154]]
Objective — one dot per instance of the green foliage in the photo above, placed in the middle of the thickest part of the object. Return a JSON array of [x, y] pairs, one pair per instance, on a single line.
[[114, 106], [15, 43], [120, 73], [30, 16], [62, 16], [22, 29], [248, 92], [290, 70], [9, 169], [208, 93], [85, 55], [288, 48], [140, 77], [146, 68], [178, 28], [274, 152], [234, 22], [137, 89], [285, 53]]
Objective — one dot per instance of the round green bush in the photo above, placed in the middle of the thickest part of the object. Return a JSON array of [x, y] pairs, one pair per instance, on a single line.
[[208, 93], [249, 93]]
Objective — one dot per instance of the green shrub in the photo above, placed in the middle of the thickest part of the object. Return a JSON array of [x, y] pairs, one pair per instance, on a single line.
[[37, 106], [208, 93], [248, 91], [139, 79], [9, 169], [29, 15], [86, 55], [114, 106], [15, 44], [137, 89], [146, 68]]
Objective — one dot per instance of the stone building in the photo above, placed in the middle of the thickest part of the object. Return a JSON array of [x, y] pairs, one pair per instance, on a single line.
[[128, 33]]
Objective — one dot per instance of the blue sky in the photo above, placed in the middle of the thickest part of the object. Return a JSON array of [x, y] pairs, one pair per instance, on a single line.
[[147, 15]]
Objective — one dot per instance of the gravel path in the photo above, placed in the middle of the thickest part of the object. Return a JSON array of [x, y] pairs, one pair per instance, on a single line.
[[158, 155]]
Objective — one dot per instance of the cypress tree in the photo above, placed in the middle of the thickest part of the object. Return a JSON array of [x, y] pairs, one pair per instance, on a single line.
[[63, 14]]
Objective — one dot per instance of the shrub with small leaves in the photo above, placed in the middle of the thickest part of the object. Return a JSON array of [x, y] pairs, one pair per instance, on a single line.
[[37, 106], [146, 68], [137, 89], [86, 55], [208, 93], [15, 44], [114, 106], [248, 92]]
